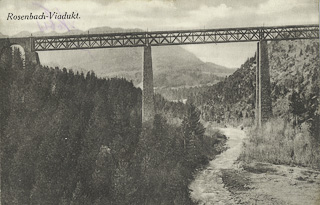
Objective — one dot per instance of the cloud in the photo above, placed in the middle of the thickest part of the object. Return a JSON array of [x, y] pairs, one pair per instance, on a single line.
[[157, 15], [162, 14], [276, 6], [142, 14], [207, 13]]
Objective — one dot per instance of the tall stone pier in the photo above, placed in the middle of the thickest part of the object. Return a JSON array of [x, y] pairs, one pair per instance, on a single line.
[[147, 92], [257, 111], [263, 87]]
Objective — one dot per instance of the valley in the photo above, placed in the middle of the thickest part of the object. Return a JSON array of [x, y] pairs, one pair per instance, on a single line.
[[201, 147]]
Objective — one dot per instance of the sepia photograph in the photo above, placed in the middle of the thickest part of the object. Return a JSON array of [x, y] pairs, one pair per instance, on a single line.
[[159, 102]]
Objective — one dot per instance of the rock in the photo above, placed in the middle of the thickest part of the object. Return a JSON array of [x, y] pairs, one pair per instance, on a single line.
[[293, 183]]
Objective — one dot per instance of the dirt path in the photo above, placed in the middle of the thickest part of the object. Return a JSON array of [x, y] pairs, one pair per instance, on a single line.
[[225, 181], [274, 184], [208, 187]]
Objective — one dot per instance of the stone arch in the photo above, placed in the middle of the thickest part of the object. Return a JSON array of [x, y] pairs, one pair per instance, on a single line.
[[25, 43]]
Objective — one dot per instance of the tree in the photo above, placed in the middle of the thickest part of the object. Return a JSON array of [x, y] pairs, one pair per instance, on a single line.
[[193, 132], [297, 107]]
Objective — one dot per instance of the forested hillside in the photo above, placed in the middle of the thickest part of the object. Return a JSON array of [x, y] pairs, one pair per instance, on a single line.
[[70, 138], [294, 71], [229, 100]]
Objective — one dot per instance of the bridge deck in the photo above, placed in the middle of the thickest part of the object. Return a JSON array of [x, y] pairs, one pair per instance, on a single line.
[[178, 37]]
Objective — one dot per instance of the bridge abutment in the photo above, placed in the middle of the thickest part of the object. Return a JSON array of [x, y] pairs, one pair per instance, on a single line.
[[148, 110], [26, 44], [263, 87], [4, 43]]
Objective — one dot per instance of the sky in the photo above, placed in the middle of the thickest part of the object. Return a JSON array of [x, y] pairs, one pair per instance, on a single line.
[[155, 15]]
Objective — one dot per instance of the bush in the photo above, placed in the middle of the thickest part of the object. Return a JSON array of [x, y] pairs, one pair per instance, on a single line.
[[278, 142]]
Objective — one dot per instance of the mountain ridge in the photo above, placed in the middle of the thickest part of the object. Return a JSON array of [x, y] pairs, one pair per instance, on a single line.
[[95, 30]]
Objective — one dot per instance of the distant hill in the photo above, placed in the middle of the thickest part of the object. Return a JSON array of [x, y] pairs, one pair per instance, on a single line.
[[22, 34], [3, 36], [173, 65], [98, 30]]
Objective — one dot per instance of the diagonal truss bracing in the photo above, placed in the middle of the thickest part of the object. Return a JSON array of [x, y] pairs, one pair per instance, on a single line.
[[162, 38]]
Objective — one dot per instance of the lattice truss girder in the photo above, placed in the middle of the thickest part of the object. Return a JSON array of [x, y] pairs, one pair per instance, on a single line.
[[90, 41], [174, 37]]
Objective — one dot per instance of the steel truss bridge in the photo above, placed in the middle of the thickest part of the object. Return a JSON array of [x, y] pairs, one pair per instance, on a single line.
[[178, 37], [183, 37]]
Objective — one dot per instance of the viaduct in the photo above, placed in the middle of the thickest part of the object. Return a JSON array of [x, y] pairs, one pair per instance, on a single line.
[[179, 37]]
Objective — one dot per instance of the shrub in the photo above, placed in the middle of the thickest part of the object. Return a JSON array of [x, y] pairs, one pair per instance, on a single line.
[[278, 142]]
